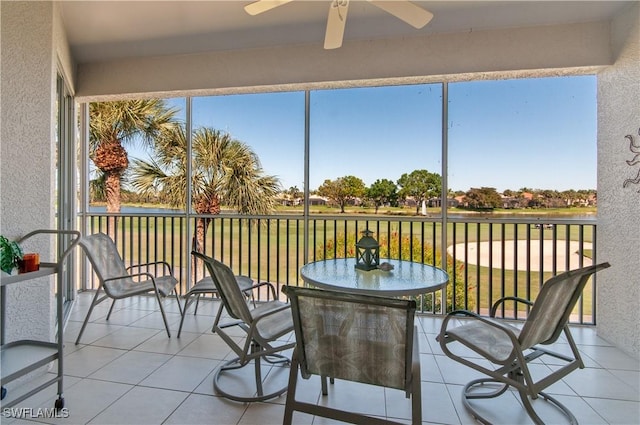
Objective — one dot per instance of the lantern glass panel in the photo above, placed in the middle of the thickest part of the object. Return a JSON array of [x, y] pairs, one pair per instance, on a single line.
[[367, 252]]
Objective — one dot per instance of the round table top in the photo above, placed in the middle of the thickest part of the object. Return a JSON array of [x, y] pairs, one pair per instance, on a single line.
[[406, 278]]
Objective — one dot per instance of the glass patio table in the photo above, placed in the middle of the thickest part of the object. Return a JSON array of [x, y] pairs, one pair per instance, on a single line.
[[406, 278]]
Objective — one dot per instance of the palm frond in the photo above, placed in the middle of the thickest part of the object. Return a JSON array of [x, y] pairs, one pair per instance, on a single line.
[[223, 171]]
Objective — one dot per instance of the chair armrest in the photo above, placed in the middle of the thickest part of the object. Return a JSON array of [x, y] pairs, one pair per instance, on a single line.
[[153, 263], [267, 284], [494, 307]]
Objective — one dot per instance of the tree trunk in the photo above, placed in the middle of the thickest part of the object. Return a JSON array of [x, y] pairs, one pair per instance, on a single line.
[[112, 189], [202, 205], [197, 244], [112, 159]]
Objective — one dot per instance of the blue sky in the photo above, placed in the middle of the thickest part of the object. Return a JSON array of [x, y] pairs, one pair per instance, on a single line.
[[507, 134]]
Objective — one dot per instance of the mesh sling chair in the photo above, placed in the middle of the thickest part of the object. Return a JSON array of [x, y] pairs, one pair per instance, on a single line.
[[512, 348], [263, 327], [119, 282], [353, 337], [206, 286]]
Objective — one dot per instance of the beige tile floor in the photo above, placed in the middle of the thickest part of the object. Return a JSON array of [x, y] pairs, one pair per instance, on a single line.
[[126, 371]]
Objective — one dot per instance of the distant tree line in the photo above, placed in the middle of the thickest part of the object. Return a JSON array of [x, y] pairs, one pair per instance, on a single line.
[[489, 198], [422, 186], [419, 185]]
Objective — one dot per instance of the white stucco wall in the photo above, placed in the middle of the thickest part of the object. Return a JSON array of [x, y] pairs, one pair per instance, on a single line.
[[618, 292], [63, 57], [27, 153]]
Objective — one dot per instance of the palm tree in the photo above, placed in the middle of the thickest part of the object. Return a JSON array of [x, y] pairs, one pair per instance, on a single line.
[[224, 171], [112, 126]]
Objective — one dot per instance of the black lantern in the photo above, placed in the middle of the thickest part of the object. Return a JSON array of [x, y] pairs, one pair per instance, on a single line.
[[367, 252]]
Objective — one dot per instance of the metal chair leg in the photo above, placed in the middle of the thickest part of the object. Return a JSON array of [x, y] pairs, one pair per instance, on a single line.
[[94, 302], [218, 316], [236, 363], [164, 316], [197, 304], [113, 303], [184, 312]]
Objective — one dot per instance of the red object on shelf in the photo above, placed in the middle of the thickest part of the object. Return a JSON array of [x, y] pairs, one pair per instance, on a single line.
[[30, 262]]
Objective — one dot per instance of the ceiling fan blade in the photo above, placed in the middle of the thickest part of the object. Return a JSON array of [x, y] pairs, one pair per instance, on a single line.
[[261, 6], [335, 24], [412, 14]]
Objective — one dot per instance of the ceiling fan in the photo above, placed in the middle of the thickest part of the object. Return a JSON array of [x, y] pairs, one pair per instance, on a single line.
[[402, 9]]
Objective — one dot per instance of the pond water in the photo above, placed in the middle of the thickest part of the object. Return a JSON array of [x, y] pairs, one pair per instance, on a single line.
[[135, 210]]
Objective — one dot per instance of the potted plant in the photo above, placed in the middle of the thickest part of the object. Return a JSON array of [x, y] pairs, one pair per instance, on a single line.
[[10, 254]]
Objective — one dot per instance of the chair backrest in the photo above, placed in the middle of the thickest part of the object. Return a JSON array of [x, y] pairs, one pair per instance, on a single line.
[[234, 301], [106, 261], [358, 338], [554, 304]]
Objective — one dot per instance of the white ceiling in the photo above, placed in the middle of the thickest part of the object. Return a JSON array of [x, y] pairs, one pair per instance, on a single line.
[[104, 30]]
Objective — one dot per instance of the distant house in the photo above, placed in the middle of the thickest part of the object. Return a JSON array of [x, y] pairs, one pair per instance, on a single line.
[[451, 202], [528, 196], [510, 202], [317, 200], [283, 199], [409, 201]]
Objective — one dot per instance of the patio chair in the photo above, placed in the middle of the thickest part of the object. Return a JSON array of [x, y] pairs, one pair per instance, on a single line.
[[118, 281], [353, 337], [205, 286], [264, 328], [511, 348]]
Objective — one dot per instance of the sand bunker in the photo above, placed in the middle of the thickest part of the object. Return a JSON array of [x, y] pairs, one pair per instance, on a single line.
[[538, 254]]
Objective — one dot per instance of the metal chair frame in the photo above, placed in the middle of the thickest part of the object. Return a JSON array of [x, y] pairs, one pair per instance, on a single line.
[[263, 325], [118, 282], [512, 348]]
